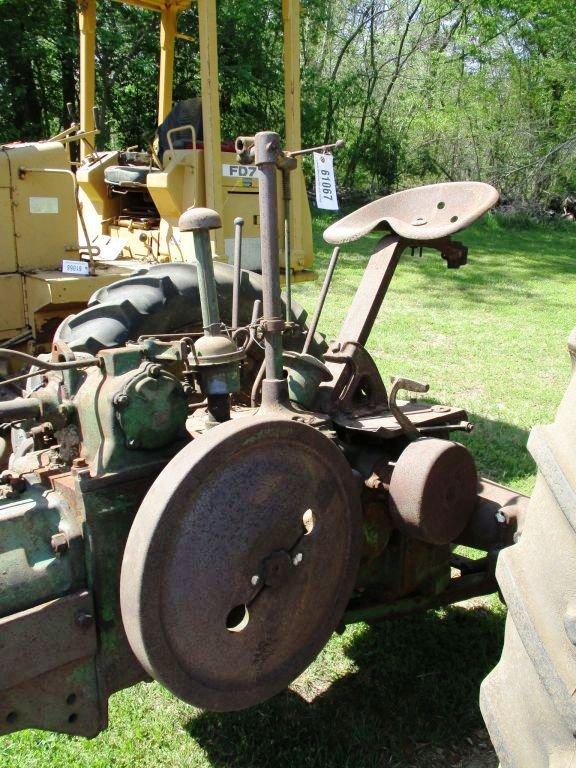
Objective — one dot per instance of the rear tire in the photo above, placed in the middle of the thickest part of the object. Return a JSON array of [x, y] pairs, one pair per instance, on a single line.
[[165, 299], [528, 700]]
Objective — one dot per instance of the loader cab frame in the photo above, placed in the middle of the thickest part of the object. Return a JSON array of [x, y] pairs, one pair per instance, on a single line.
[[208, 175]]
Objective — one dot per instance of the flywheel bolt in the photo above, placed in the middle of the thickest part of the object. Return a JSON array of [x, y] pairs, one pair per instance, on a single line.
[[83, 619], [155, 370], [255, 580], [297, 559]]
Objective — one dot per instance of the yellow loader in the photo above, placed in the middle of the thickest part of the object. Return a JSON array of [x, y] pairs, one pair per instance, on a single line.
[[67, 231]]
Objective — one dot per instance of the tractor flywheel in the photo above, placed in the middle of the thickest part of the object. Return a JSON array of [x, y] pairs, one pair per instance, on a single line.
[[241, 560]]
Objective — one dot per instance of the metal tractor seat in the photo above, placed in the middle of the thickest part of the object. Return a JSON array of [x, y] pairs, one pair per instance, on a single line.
[[431, 212], [132, 171]]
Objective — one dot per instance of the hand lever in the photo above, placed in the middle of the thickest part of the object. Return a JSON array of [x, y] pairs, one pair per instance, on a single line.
[[409, 385]]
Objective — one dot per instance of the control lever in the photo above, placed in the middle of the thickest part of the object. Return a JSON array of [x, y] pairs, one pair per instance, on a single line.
[[214, 357], [323, 293], [410, 429], [71, 113], [238, 224], [338, 144], [409, 385]]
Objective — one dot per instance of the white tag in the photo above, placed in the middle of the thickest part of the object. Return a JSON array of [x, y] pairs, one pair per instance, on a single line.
[[325, 182], [70, 267], [43, 204]]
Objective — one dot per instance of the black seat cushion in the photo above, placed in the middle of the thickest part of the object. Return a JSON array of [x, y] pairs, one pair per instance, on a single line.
[[128, 175]]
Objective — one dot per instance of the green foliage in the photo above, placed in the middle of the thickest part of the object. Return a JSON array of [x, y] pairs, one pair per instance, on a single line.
[[421, 90]]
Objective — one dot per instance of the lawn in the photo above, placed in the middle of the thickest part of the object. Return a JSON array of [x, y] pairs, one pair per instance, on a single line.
[[490, 337]]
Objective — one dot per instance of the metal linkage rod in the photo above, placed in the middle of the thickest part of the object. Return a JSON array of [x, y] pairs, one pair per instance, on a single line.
[[238, 224], [287, 195], [66, 365], [322, 148], [321, 299], [267, 148], [20, 408]]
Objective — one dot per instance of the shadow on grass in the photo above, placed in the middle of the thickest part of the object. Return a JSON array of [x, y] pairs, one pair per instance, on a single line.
[[416, 681], [413, 681], [499, 449]]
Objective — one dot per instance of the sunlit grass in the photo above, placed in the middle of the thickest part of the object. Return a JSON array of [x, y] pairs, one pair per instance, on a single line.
[[490, 337]]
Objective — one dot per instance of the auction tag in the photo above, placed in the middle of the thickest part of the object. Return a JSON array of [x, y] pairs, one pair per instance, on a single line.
[[70, 267], [325, 182]]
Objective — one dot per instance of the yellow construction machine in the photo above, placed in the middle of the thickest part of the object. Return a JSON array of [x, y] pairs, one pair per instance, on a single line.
[[66, 231]]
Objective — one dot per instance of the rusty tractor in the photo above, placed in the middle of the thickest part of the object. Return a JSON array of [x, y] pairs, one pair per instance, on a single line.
[[206, 509]]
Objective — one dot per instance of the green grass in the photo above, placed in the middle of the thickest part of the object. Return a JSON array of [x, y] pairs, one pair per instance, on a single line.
[[490, 337]]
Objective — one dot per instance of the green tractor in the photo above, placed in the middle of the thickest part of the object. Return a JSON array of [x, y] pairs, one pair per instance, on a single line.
[[206, 507]]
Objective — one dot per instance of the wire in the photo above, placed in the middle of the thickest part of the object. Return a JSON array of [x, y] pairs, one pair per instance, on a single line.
[[37, 372], [20, 339], [49, 366]]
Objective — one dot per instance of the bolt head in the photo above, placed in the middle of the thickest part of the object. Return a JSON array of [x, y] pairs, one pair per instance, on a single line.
[[83, 619], [121, 400], [255, 580], [59, 543], [297, 559], [155, 370]]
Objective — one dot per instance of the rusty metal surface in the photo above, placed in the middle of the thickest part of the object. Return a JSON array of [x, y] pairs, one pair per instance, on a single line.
[[422, 213], [433, 490], [245, 552], [266, 150], [47, 668], [28, 649], [382, 422], [256, 527], [65, 700], [356, 385], [497, 519], [370, 294], [409, 385]]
